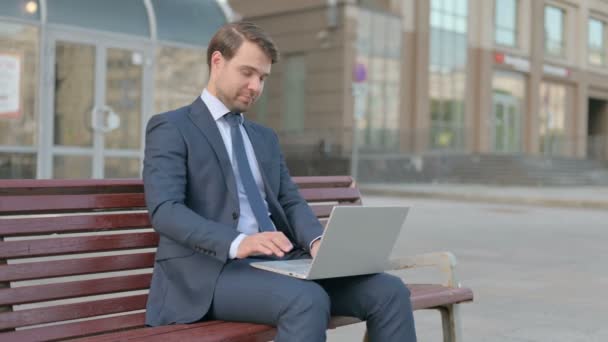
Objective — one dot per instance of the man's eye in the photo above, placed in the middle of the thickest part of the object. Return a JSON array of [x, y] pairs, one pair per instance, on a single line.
[[247, 73]]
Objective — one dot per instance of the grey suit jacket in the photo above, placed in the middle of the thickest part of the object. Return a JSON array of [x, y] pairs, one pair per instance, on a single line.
[[192, 199]]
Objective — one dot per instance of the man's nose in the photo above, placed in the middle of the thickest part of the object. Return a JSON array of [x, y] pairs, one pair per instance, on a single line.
[[255, 84]]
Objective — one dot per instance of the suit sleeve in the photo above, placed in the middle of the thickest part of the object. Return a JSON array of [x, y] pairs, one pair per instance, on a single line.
[[299, 214], [165, 177]]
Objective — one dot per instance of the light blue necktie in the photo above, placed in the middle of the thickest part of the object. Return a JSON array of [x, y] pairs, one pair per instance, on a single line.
[[240, 156]]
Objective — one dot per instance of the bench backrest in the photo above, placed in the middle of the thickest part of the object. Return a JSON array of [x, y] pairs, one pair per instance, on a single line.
[[84, 249]]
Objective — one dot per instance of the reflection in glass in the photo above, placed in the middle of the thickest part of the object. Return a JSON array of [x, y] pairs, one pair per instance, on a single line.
[[552, 118], [120, 16], [379, 46], [74, 93], [181, 75], [294, 101], [505, 19], [23, 9], [122, 167], [508, 97], [447, 79], [72, 167], [554, 31], [17, 165], [597, 47], [19, 50], [123, 95]]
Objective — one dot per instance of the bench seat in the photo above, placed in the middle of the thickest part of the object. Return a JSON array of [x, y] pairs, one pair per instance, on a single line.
[[76, 258]]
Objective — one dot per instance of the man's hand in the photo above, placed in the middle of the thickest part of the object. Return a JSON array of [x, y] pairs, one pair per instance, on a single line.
[[267, 243], [314, 248]]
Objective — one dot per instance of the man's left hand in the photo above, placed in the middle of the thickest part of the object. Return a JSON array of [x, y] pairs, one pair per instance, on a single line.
[[314, 248]]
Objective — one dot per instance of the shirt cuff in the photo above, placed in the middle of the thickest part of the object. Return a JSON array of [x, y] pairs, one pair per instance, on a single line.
[[234, 246], [313, 241]]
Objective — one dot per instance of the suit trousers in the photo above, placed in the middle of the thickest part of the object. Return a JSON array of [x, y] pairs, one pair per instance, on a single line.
[[301, 309]]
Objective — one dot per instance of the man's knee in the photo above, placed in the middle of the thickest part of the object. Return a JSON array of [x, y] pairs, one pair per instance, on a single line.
[[392, 290], [311, 299]]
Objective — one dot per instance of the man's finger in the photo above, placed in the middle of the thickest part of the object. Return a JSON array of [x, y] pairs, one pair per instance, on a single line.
[[273, 247]]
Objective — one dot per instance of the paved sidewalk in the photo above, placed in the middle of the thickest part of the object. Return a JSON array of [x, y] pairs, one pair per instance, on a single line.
[[590, 197]]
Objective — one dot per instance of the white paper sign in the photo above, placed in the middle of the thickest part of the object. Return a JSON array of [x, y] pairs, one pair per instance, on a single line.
[[10, 79]]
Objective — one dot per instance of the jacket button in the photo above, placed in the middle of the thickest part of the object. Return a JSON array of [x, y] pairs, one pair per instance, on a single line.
[[235, 215]]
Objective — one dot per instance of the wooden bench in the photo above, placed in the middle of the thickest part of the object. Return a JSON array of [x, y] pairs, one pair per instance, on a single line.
[[76, 258]]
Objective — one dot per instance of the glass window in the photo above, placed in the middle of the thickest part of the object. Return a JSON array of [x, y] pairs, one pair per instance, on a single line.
[[188, 21], [17, 165], [181, 75], [555, 19], [505, 21], [294, 99], [447, 79], [72, 167], [19, 59], [597, 47], [24, 9], [74, 93], [119, 16], [552, 118], [379, 39], [115, 167]]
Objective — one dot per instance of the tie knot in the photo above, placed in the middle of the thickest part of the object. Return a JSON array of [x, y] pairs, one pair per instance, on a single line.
[[234, 119]]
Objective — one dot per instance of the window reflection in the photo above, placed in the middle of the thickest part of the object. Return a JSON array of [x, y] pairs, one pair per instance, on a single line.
[[505, 20], [17, 165], [552, 118], [379, 39], [447, 67], [294, 101], [554, 31], [181, 75], [597, 47]]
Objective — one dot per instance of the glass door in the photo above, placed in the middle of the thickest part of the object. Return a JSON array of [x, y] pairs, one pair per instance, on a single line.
[[505, 123], [97, 99]]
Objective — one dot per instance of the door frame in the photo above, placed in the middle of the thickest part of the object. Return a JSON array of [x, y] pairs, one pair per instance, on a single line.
[[101, 41]]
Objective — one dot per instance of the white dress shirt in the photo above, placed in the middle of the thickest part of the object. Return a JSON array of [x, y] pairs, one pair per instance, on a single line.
[[247, 225]]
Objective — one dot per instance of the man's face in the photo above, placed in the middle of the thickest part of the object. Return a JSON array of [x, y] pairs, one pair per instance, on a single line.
[[239, 81]]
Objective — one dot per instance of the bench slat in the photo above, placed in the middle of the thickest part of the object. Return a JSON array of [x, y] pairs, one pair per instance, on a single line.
[[65, 203], [76, 329], [224, 332], [72, 289], [331, 194], [21, 318], [80, 266], [73, 224], [147, 331], [323, 182], [83, 244], [425, 296], [69, 186]]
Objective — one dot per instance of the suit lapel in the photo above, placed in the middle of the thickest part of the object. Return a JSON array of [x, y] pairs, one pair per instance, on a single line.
[[200, 115]]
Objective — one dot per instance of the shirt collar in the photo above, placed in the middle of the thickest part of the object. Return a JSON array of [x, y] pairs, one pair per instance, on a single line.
[[215, 106]]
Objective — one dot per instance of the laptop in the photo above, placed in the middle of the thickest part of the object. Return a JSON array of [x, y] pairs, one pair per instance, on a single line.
[[357, 240]]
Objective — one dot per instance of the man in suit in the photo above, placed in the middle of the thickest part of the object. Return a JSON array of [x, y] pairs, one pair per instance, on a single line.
[[220, 196]]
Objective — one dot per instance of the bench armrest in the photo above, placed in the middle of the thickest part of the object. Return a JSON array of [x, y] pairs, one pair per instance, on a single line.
[[445, 261]]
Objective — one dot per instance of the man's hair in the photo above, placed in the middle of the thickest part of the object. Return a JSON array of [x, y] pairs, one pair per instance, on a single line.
[[229, 38]]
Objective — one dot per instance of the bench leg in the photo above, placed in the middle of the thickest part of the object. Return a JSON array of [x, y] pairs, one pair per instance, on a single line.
[[450, 319]]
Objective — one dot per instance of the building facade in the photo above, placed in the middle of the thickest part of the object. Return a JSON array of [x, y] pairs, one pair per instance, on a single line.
[[80, 78], [442, 77]]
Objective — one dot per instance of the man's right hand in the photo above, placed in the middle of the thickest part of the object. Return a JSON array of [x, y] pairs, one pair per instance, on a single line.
[[267, 243]]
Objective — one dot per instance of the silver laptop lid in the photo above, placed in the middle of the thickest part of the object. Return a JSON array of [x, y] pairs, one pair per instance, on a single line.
[[357, 240]]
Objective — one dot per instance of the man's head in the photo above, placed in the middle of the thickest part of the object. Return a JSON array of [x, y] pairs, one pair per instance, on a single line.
[[239, 57]]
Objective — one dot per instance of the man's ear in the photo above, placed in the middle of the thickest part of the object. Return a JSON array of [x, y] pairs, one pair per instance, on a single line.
[[217, 60]]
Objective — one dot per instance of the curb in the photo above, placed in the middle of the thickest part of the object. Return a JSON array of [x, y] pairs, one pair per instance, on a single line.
[[536, 201]]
